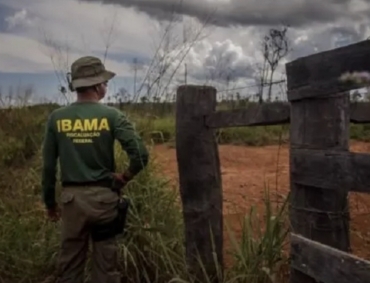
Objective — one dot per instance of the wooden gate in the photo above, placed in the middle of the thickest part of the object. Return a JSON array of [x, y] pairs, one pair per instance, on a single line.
[[322, 169]]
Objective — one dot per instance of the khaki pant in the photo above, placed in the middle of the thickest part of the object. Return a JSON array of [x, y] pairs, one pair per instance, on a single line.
[[81, 207]]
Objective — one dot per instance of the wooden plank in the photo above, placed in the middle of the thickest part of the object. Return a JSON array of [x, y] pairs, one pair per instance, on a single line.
[[331, 170], [320, 124], [328, 65], [255, 115], [326, 89], [326, 264], [269, 114], [318, 90], [200, 180], [360, 112]]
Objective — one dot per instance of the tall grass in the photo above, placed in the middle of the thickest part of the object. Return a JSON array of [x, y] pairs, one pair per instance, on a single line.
[[259, 253], [152, 249]]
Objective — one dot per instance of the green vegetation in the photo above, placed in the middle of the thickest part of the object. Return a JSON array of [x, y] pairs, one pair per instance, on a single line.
[[153, 250]]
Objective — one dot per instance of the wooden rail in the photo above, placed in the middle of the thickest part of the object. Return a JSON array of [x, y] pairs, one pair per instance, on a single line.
[[268, 114], [318, 75], [331, 170], [255, 115], [327, 264], [360, 112]]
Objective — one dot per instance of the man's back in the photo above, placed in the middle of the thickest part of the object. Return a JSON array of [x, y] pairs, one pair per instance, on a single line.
[[82, 135], [85, 141]]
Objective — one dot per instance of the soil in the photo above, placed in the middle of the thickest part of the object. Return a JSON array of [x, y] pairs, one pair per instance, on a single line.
[[246, 171]]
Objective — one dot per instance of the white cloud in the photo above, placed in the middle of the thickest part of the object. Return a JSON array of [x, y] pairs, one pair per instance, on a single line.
[[81, 27], [85, 26], [19, 19], [21, 54], [26, 55]]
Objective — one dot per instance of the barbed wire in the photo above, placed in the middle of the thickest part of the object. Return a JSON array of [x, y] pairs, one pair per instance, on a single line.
[[251, 85]]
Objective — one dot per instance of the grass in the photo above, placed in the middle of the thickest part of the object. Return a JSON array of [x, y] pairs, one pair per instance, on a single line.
[[153, 249]]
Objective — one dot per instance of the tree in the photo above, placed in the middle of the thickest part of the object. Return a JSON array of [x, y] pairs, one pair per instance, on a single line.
[[123, 94], [136, 66], [275, 46]]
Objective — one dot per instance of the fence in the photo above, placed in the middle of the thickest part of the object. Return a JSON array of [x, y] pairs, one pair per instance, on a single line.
[[322, 170]]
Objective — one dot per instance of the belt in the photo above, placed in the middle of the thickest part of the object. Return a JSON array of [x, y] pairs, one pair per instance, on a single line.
[[101, 183]]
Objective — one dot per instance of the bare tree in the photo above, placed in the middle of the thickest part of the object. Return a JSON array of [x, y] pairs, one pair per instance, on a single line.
[[18, 96], [169, 55], [2, 102], [24, 95], [123, 94], [109, 34], [58, 52], [136, 67], [275, 46], [261, 78]]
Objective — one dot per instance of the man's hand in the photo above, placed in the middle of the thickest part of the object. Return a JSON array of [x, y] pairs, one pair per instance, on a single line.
[[54, 214], [122, 178], [119, 177]]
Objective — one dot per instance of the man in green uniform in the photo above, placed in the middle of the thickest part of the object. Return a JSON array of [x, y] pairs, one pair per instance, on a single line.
[[81, 136]]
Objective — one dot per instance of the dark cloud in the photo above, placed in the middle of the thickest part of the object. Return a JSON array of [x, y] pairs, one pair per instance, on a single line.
[[316, 25], [249, 12], [228, 60]]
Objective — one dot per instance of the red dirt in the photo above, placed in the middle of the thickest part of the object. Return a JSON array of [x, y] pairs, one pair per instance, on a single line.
[[247, 170]]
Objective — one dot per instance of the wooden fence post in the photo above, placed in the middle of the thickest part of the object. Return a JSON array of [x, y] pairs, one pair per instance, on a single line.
[[319, 214], [200, 179]]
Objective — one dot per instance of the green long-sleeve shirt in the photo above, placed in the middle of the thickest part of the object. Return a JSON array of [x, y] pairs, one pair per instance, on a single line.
[[82, 136]]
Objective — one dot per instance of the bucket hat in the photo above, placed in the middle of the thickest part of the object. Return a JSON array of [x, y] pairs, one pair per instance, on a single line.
[[88, 71]]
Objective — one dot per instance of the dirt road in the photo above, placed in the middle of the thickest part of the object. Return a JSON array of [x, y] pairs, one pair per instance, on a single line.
[[246, 171]]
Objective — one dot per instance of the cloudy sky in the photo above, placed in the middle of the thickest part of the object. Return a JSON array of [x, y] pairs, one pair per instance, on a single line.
[[219, 40]]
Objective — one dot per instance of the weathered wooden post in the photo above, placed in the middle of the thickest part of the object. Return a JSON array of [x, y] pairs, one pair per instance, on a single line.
[[200, 179], [319, 125]]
